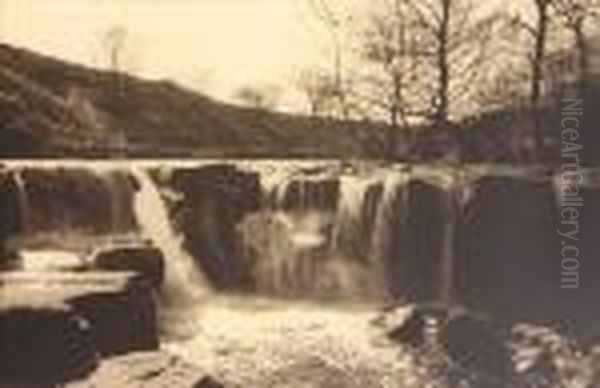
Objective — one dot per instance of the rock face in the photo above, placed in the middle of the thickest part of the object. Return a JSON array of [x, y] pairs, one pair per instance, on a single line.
[[580, 305], [44, 345], [415, 251], [148, 261], [78, 199], [460, 345], [215, 199], [320, 193], [508, 253], [10, 217]]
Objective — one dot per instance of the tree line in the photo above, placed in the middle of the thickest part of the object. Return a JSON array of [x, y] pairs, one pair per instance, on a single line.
[[433, 62]]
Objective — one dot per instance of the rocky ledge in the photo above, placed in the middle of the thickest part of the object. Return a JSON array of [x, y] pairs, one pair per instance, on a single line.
[[57, 326]]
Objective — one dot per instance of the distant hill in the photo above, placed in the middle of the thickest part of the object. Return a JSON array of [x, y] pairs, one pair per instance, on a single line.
[[52, 108]]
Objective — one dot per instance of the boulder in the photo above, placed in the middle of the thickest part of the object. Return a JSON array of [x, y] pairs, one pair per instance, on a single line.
[[541, 356], [471, 347], [43, 344], [215, 199], [123, 319], [146, 260], [119, 307], [405, 325], [478, 347]]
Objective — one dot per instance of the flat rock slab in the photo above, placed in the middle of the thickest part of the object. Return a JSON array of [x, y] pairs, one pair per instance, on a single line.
[[119, 307], [45, 345], [147, 370]]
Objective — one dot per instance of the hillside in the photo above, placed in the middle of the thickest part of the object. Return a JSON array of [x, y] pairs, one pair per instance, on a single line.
[[51, 108]]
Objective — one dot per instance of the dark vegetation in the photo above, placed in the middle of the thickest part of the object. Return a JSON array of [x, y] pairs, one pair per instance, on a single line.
[[49, 108]]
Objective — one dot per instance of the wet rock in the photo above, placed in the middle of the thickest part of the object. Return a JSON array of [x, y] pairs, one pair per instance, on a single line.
[[123, 319], [508, 253], [316, 193], [147, 370], [406, 326], [146, 260], [590, 138], [579, 306], [10, 218], [414, 253], [478, 347], [119, 307], [215, 199], [10, 261], [538, 351], [43, 345], [52, 260], [78, 200], [10, 207]]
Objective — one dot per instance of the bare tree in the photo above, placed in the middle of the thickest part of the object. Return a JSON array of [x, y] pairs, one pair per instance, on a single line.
[[539, 32], [114, 41], [537, 22], [577, 16], [320, 91], [433, 55], [257, 97], [336, 85], [388, 49]]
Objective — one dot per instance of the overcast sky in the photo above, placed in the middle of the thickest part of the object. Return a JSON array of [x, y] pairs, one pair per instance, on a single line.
[[216, 46], [213, 45]]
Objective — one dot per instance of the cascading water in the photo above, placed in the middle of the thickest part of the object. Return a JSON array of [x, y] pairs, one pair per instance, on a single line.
[[119, 191], [386, 213], [184, 284], [323, 235]]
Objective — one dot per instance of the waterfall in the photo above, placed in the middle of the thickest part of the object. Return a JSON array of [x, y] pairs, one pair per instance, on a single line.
[[355, 216], [118, 193], [315, 241], [383, 231], [184, 283]]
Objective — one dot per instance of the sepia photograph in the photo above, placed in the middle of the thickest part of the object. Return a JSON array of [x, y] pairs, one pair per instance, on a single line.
[[299, 193]]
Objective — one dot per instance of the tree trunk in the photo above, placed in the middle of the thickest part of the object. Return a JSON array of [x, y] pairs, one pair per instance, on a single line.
[[537, 76], [443, 66]]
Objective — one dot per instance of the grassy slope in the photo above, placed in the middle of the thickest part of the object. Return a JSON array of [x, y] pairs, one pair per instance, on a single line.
[[40, 116]]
